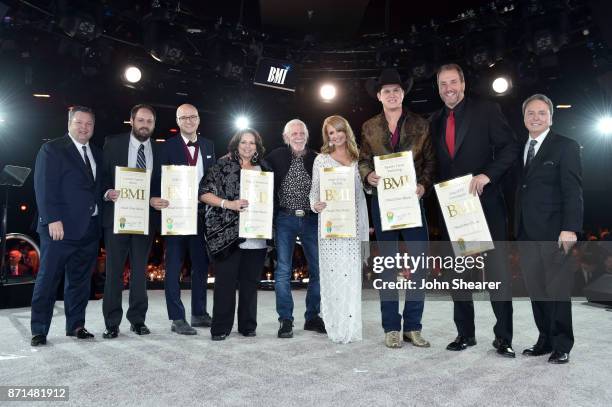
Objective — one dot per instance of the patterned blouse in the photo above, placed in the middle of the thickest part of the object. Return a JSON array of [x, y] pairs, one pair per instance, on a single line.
[[295, 189]]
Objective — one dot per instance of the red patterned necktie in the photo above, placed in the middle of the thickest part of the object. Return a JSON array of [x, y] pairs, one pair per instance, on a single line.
[[450, 133]]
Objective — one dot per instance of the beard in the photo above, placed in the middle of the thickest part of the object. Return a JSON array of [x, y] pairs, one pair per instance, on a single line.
[[142, 134]]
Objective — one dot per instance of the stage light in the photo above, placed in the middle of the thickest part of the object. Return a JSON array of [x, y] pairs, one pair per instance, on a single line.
[[501, 85], [564, 106], [605, 125], [41, 95], [327, 92], [132, 74], [23, 207], [1, 119], [242, 122]]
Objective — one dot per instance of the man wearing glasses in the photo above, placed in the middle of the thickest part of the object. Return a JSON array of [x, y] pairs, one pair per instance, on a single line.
[[185, 149]]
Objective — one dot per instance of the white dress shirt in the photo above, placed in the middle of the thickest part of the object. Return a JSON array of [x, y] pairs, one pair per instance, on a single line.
[[200, 162], [92, 161], [540, 139]]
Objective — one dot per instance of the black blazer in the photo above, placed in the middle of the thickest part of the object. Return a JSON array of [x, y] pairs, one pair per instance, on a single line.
[[64, 189], [116, 151], [484, 144], [279, 161], [173, 153], [549, 194]]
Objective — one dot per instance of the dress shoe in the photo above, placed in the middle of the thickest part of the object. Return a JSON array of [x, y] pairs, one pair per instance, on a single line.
[[461, 343], [111, 333], [201, 321], [286, 329], [504, 348], [558, 358], [80, 333], [220, 337], [249, 334], [140, 329], [316, 324], [416, 339], [181, 327], [38, 340], [392, 339], [537, 350]]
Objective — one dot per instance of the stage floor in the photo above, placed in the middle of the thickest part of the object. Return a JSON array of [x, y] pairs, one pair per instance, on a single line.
[[164, 369]]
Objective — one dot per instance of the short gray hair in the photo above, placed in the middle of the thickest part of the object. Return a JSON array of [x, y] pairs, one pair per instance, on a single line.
[[541, 97], [288, 126]]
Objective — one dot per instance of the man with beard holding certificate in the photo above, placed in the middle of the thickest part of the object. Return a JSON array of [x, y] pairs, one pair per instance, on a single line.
[[185, 149], [134, 150], [473, 137], [549, 212]]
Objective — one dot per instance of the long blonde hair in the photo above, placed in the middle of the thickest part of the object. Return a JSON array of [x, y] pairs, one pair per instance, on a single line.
[[340, 124]]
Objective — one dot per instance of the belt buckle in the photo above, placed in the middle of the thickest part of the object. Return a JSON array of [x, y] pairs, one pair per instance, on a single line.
[[300, 213]]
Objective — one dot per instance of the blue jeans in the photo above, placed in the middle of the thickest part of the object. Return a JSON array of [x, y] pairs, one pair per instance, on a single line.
[[288, 227], [416, 242]]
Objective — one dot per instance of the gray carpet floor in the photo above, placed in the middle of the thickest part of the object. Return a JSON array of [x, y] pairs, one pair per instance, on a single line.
[[165, 369]]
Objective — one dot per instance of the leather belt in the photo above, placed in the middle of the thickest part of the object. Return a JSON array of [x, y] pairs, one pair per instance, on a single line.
[[300, 213]]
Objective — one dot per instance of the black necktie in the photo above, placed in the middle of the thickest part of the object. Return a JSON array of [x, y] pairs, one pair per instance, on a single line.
[[141, 160], [192, 144], [530, 152], [88, 163]]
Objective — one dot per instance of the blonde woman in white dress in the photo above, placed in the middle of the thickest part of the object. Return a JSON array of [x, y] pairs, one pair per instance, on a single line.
[[340, 259]]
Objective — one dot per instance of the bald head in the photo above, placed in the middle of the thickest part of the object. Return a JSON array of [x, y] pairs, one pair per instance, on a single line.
[[188, 120]]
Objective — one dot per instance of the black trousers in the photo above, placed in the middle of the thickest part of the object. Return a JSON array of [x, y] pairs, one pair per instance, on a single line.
[[243, 267], [118, 249], [548, 275]]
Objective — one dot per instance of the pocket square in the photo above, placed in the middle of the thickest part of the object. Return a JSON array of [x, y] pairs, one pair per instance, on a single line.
[[208, 156], [548, 163]]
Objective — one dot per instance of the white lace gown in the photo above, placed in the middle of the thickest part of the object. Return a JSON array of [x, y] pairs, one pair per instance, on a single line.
[[340, 262]]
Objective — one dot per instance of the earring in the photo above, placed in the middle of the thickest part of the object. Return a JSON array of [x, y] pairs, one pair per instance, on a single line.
[[236, 156], [255, 157]]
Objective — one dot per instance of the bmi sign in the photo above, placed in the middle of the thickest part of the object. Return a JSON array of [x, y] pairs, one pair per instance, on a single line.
[[276, 74]]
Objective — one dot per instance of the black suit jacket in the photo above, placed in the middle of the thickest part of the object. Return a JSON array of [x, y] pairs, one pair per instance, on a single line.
[[116, 151], [64, 189], [173, 153], [484, 144], [549, 194]]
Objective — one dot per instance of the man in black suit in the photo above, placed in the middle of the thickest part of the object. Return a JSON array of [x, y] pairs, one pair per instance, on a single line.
[[549, 212], [472, 136], [68, 197], [185, 149], [136, 150]]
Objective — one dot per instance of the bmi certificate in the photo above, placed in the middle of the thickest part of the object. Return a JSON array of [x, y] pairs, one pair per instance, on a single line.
[[337, 190], [465, 220], [397, 197], [179, 186], [132, 206], [257, 187]]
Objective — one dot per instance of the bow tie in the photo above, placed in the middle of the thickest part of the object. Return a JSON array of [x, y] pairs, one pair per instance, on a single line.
[[192, 144]]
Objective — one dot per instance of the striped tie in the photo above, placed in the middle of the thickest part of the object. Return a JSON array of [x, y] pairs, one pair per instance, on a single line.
[[141, 161], [530, 152]]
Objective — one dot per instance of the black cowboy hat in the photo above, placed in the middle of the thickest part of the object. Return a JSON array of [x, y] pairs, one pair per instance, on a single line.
[[388, 76]]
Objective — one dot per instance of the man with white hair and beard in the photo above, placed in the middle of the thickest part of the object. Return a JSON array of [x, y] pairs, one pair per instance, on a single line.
[[135, 150], [292, 166]]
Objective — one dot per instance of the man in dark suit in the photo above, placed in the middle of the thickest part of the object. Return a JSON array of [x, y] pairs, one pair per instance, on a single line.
[[549, 212], [135, 150], [472, 136], [186, 149], [68, 197]]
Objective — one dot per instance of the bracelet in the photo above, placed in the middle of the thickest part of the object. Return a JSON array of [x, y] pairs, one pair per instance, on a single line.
[[222, 203]]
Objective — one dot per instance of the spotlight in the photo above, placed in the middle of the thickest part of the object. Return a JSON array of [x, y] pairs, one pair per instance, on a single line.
[[328, 92], [132, 74], [501, 85], [242, 122], [605, 125]]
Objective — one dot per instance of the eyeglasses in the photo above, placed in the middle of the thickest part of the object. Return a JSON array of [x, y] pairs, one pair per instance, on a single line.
[[192, 118]]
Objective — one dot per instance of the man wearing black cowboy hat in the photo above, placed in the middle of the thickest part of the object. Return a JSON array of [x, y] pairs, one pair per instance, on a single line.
[[473, 137], [396, 129]]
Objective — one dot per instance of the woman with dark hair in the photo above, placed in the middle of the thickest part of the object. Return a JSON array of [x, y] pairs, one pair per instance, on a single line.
[[237, 261]]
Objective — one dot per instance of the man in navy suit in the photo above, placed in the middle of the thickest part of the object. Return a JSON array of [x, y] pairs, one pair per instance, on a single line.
[[185, 149], [68, 197], [136, 150], [549, 212]]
